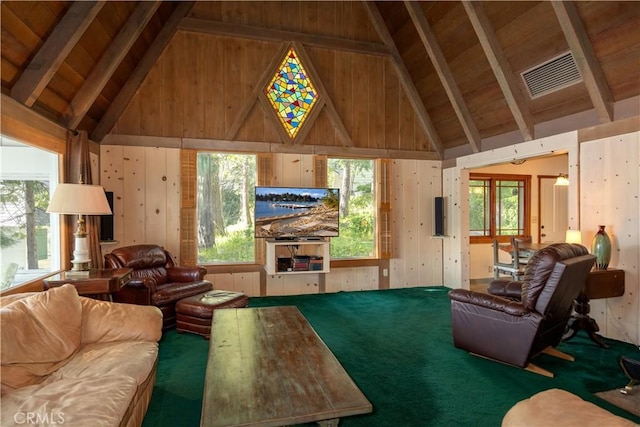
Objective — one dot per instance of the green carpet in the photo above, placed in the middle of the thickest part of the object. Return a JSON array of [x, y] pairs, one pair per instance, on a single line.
[[397, 346]]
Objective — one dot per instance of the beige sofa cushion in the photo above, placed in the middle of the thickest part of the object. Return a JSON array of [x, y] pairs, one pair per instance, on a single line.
[[104, 321], [133, 359], [39, 333], [77, 402]]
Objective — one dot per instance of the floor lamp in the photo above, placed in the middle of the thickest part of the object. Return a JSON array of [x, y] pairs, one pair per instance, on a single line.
[[81, 200]]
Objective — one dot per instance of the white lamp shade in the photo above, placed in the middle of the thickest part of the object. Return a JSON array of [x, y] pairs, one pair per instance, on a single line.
[[79, 199], [562, 180], [573, 236]]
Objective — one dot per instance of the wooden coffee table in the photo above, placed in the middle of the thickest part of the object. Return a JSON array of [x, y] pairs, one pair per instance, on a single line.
[[268, 367]]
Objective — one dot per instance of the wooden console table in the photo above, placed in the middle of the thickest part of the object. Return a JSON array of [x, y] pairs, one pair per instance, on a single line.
[[268, 367], [600, 284], [101, 283]]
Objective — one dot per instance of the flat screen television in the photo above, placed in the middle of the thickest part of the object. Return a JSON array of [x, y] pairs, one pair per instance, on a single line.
[[296, 212]]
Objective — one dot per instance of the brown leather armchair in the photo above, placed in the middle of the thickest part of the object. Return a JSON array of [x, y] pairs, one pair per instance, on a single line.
[[515, 330], [156, 279]]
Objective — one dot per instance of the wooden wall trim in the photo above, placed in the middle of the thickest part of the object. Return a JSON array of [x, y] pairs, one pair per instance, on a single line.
[[143, 141], [620, 127], [270, 34], [265, 147], [354, 263], [13, 110], [234, 268], [188, 220], [384, 226], [23, 124]]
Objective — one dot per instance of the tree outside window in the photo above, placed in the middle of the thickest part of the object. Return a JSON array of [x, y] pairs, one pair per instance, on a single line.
[[226, 201], [498, 207], [29, 237], [355, 179]]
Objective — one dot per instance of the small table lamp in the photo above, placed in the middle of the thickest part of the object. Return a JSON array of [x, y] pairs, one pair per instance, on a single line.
[[573, 236], [81, 200]]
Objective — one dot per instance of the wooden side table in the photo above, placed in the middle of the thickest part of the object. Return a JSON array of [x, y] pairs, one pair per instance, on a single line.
[[600, 284], [100, 283]]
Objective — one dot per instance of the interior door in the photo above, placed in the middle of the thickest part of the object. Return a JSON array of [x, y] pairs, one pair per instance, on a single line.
[[554, 214]]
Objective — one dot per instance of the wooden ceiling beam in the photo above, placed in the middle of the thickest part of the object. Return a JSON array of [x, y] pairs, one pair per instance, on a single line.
[[269, 34], [54, 51], [138, 75], [439, 62], [108, 63], [516, 100], [585, 58], [405, 78]]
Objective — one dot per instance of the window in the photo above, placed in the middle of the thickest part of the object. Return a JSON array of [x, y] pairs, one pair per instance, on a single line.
[[356, 181], [498, 207], [29, 236], [226, 200]]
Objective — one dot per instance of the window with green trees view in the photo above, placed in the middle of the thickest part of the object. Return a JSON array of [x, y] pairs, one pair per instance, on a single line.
[[226, 202], [498, 206], [355, 178], [29, 236], [226, 184]]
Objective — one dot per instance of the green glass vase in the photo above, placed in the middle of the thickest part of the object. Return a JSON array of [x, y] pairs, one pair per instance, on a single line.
[[601, 248]]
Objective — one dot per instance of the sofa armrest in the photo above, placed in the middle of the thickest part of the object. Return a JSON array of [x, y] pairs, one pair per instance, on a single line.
[[492, 302], [143, 282], [185, 274], [104, 321], [506, 288]]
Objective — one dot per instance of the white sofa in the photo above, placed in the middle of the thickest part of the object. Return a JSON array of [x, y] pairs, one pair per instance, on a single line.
[[76, 361]]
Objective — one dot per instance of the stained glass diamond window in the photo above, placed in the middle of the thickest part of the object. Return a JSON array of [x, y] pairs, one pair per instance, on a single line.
[[291, 94]]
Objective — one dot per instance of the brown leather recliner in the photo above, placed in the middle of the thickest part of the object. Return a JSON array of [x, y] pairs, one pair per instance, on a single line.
[[512, 330], [156, 279]]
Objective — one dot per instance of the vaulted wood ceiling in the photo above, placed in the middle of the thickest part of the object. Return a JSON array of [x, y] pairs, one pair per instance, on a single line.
[[459, 63]]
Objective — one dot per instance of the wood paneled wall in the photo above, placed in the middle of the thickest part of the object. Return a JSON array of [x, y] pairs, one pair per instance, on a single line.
[[145, 182], [146, 189], [417, 257], [201, 82], [610, 195]]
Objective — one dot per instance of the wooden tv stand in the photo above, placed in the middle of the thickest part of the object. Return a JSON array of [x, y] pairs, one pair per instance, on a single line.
[[286, 249]]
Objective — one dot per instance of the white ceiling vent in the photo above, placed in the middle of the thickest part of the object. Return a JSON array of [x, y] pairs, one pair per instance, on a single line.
[[552, 75]]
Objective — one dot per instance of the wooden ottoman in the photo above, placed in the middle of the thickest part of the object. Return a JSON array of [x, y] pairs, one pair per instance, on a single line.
[[193, 314]]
